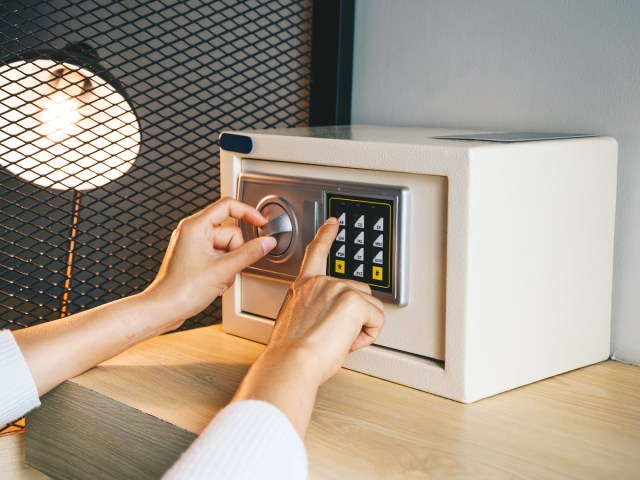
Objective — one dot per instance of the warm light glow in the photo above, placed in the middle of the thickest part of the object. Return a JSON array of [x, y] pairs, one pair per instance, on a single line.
[[64, 127], [60, 117]]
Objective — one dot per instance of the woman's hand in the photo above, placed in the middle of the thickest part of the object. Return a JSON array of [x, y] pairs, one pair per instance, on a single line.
[[201, 262], [203, 257], [323, 317], [321, 320]]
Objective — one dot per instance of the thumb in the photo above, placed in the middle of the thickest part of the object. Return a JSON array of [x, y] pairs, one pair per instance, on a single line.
[[249, 253]]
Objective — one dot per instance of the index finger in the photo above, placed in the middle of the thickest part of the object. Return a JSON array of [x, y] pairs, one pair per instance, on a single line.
[[227, 207], [315, 258]]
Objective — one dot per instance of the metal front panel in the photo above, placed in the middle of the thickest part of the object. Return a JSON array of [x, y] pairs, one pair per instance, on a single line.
[[307, 203]]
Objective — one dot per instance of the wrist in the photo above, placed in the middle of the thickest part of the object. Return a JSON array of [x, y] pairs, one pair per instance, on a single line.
[[282, 378], [153, 314], [298, 360]]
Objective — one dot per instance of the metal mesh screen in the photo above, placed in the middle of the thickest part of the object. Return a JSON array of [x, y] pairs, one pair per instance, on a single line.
[[83, 223]]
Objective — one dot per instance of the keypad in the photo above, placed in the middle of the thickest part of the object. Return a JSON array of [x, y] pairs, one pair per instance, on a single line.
[[363, 247]]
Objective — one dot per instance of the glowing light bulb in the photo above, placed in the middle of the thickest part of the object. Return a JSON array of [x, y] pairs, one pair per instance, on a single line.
[[60, 117]]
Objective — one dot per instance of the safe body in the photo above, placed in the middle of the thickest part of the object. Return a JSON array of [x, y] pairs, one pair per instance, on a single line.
[[496, 263]]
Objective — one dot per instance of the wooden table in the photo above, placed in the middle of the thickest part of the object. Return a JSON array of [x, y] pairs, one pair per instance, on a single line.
[[131, 417]]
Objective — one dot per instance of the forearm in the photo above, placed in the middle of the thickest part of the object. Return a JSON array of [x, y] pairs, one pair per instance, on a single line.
[[285, 382], [61, 349], [201, 262]]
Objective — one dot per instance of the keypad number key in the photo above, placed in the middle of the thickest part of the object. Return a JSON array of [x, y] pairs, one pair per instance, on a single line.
[[359, 271]]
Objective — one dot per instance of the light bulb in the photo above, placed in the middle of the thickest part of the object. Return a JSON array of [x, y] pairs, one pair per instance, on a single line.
[[60, 117]]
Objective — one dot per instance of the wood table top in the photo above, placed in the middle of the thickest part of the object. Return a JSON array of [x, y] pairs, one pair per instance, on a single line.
[[154, 399]]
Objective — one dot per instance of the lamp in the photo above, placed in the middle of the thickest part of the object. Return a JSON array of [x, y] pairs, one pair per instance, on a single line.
[[65, 124]]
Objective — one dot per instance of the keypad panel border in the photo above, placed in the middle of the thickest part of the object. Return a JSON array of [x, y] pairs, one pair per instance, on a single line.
[[369, 219]]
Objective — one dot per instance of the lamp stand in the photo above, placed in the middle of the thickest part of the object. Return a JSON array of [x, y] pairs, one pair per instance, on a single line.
[[66, 289]]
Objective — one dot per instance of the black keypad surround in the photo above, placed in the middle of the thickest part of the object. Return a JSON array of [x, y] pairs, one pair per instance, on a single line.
[[363, 248]]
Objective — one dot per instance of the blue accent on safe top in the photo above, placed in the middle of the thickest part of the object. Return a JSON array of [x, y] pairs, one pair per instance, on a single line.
[[233, 142]]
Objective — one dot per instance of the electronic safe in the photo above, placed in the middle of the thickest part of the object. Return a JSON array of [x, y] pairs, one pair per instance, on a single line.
[[492, 254]]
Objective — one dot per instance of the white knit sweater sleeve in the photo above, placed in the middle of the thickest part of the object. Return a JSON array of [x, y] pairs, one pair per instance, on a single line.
[[246, 440], [18, 392]]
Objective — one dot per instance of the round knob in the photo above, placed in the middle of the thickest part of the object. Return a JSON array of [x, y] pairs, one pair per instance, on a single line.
[[279, 227]]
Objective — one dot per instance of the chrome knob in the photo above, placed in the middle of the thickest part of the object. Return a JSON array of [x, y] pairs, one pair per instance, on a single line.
[[279, 227]]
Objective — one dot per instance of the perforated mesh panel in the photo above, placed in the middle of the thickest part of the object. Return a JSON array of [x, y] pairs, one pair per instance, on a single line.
[[188, 69]]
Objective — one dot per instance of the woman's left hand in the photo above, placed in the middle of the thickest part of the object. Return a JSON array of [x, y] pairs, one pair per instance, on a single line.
[[204, 255]]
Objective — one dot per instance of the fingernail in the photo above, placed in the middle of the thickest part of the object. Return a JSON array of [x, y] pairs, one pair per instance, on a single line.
[[331, 221], [268, 244]]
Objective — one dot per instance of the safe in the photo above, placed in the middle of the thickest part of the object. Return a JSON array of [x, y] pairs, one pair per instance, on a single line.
[[492, 253]]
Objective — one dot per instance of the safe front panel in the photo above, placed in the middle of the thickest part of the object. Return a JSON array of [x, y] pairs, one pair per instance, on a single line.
[[412, 209]]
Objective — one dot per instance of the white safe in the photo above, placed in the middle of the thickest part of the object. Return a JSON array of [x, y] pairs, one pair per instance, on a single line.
[[493, 254]]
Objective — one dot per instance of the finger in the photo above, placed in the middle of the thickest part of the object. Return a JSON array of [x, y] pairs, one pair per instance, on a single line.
[[370, 329], [315, 258], [227, 238], [364, 290], [237, 260], [373, 301], [361, 286], [356, 284], [364, 293], [227, 207]]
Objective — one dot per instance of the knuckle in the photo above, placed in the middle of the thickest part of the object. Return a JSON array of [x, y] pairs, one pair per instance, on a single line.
[[352, 298], [311, 247], [187, 227], [311, 283], [326, 283], [350, 295], [223, 203], [182, 225]]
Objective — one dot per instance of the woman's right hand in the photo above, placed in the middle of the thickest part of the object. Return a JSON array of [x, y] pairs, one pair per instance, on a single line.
[[321, 320]]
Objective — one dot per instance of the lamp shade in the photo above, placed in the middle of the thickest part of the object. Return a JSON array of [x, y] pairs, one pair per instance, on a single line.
[[63, 126]]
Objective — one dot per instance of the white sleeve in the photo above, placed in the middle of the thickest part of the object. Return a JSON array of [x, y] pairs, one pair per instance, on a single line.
[[247, 439], [18, 392]]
